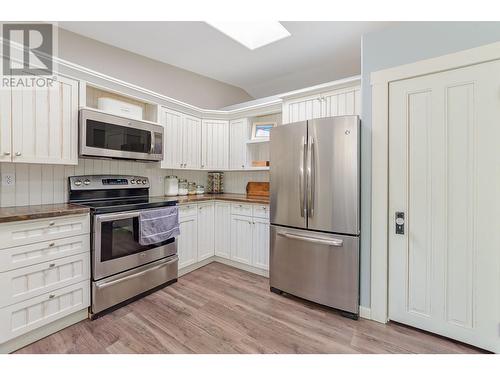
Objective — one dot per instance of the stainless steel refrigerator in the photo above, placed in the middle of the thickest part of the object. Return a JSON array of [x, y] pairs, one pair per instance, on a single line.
[[315, 198]]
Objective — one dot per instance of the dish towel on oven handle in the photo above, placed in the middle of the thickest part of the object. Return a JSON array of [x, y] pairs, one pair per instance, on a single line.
[[158, 225]]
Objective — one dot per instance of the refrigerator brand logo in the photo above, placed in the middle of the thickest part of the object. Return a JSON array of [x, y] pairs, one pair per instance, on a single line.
[[27, 55]]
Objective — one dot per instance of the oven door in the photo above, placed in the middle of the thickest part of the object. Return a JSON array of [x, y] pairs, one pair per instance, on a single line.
[[105, 135], [116, 245]]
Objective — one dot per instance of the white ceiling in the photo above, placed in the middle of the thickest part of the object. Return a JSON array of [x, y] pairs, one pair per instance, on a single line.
[[316, 52]]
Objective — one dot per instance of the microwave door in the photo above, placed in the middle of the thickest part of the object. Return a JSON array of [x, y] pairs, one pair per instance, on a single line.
[[287, 179]]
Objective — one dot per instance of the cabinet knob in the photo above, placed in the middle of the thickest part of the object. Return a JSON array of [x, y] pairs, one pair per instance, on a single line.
[[52, 296], [51, 223], [6, 153], [18, 154], [52, 244], [51, 265]]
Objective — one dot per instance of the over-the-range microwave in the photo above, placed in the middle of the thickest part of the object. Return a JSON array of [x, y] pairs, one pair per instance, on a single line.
[[106, 135]]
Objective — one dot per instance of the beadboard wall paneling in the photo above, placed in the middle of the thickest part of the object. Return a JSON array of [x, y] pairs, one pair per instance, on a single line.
[[45, 184]]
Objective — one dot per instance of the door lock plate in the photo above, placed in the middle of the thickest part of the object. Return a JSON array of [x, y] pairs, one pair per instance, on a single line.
[[400, 223]]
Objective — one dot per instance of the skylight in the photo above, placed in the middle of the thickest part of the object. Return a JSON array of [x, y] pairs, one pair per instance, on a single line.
[[252, 34]]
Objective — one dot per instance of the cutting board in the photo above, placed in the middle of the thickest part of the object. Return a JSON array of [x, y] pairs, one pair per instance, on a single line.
[[258, 189]]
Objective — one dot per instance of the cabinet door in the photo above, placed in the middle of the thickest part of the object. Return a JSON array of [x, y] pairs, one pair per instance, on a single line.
[[45, 123], [241, 239], [260, 241], [172, 142], [187, 246], [191, 142], [215, 144], [341, 103], [205, 231], [238, 136], [302, 109], [5, 126], [223, 229]]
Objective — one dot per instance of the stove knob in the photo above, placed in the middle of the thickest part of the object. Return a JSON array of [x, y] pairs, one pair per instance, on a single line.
[[78, 182], [132, 181], [144, 182], [86, 182]]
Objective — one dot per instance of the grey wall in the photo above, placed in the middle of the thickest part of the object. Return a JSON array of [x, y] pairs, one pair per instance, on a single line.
[[165, 79], [403, 44]]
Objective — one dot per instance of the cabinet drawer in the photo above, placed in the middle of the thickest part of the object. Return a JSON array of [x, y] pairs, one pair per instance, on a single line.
[[261, 211], [18, 319], [32, 231], [28, 282], [188, 210], [27, 255], [241, 209]]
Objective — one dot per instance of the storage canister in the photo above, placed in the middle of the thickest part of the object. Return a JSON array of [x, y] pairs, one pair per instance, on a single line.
[[171, 186]]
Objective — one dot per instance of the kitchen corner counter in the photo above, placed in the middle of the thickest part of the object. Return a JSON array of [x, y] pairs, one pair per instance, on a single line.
[[222, 197], [40, 211]]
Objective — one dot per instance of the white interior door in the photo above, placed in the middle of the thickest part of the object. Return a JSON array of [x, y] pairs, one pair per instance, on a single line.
[[444, 174]]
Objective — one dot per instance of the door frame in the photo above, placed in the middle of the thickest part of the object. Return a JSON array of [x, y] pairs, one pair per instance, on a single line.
[[380, 226]]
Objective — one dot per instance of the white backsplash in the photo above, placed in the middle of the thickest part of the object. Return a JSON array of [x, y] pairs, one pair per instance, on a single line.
[[44, 184]]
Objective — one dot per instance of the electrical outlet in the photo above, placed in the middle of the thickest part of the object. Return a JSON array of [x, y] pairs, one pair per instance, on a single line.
[[8, 179]]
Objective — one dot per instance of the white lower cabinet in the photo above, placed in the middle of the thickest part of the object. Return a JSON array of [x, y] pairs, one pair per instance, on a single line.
[[222, 220], [187, 246], [33, 313], [235, 231], [205, 230], [241, 239], [44, 273], [260, 243]]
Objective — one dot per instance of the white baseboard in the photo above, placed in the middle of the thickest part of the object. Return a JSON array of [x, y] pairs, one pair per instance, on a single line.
[[40, 333], [365, 312], [232, 263]]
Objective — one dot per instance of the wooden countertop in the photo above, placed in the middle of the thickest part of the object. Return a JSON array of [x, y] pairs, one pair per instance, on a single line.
[[19, 213], [222, 197]]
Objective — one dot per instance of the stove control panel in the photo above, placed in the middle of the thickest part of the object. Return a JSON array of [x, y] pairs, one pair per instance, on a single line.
[[104, 182]]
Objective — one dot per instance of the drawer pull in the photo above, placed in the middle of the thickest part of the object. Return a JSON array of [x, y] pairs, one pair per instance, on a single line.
[[52, 244], [51, 296], [51, 265], [52, 223]]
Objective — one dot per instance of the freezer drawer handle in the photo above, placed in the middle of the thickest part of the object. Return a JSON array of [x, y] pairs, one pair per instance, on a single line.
[[334, 242]]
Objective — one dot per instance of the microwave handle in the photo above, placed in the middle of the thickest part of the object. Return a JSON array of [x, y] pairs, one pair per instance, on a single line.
[[152, 148]]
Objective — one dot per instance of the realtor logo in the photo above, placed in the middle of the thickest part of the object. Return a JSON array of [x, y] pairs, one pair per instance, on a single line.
[[27, 49]]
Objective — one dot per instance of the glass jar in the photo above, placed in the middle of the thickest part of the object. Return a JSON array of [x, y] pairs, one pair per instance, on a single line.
[[182, 187], [192, 188], [200, 189], [171, 186]]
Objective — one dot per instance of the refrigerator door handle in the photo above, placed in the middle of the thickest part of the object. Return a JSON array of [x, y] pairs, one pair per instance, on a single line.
[[333, 242], [311, 177], [303, 161]]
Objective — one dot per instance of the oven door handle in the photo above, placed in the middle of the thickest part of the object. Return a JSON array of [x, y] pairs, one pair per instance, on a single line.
[[116, 216]]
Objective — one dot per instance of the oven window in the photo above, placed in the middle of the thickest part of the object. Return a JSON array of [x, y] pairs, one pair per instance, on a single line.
[[120, 238], [116, 137]]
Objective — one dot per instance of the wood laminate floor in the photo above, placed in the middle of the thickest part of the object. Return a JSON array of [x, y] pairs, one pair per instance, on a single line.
[[220, 309]]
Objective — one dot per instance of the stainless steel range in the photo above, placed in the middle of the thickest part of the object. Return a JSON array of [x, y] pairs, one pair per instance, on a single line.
[[122, 269]]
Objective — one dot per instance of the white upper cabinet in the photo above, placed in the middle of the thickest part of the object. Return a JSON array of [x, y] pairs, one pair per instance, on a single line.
[[340, 102], [172, 140], [191, 142], [238, 136], [42, 125], [215, 144], [5, 126], [182, 141]]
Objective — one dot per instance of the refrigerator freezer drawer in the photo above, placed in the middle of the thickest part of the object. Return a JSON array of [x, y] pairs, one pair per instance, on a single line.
[[319, 267]]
